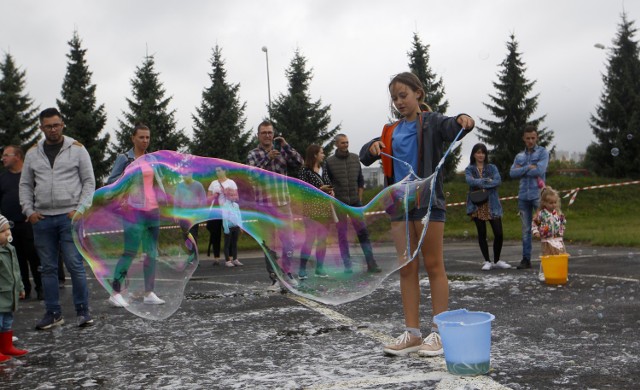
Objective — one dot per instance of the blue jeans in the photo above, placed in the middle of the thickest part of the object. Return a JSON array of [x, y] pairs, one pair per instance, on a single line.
[[49, 234], [6, 321], [526, 209]]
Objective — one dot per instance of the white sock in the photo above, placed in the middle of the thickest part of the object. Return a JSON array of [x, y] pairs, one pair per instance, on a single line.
[[414, 331]]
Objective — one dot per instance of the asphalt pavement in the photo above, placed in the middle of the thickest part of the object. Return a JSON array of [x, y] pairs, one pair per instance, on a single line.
[[231, 333]]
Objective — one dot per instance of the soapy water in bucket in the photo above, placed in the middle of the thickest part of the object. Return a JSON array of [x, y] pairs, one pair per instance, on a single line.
[[164, 255], [466, 339]]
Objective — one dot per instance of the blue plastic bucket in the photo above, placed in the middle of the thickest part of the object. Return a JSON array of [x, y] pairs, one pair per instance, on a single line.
[[466, 339]]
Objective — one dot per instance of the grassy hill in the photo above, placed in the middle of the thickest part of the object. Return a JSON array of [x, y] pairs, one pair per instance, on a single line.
[[606, 216]]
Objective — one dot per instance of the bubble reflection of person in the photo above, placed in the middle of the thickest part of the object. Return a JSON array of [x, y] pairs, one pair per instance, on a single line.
[[141, 215]]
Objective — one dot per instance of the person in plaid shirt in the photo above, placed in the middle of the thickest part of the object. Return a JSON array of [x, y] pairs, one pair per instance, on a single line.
[[275, 155]]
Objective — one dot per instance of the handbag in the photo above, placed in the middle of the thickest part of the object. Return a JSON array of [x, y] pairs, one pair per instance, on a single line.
[[479, 197]]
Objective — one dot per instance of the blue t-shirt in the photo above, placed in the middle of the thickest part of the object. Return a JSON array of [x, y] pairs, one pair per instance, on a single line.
[[405, 148]]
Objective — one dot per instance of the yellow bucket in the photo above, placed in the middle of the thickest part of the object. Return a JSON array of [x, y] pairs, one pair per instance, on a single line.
[[555, 268]]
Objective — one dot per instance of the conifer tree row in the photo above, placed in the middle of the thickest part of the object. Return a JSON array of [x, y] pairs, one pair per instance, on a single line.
[[18, 114]]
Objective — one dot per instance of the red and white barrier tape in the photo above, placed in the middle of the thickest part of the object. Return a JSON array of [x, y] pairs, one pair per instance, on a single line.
[[573, 193]]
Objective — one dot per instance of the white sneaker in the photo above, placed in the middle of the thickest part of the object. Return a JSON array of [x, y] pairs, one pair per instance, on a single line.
[[152, 299], [502, 265], [237, 263], [117, 300], [289, 278], [541, 276], [431, 346], [275, 286], [229, 264], [487, 266]]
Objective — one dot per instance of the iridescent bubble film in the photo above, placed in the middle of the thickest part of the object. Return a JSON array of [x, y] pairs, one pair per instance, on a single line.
[[134, 249]]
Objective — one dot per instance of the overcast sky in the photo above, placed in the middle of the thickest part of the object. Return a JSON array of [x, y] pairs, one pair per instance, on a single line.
[[352, 47]]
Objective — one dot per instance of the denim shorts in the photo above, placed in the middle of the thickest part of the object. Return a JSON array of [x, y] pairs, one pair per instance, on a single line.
[[437, 215]]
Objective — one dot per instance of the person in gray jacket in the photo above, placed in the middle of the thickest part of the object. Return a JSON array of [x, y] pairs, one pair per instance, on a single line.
[[345, 173], [57, 179]]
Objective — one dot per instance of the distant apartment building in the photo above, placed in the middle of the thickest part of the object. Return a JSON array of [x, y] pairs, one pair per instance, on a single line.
[[564, 155], [373, 176]]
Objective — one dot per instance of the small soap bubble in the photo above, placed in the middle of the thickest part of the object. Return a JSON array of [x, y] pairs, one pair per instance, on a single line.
[[579, 252], [447, 194], [615, 152], [630, 255], [465, 234], [600, 315], [595, 252], [629, 137]]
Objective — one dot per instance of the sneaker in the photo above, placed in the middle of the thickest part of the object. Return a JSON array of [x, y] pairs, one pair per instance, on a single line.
[[216, 262], [374, 269], [487, 266], [152, 299], [275, 286], [541, 276], [84, 320], [348, 270], [524, 264], [403, 345], [289, 278], [50, 320], [502, 265], [237, 263], [302, 274], [432, 345], [321, 274], [117, 300], [229, 264]]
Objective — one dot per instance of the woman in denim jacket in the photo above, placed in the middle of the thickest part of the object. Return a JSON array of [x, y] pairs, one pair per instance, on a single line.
[[481, 175], [141, 198]]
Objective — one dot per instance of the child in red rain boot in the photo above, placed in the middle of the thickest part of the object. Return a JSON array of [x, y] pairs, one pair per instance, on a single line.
[[12, 291]]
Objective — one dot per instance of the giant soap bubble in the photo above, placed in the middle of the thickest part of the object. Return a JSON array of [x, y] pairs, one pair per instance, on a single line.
[[339, 271]]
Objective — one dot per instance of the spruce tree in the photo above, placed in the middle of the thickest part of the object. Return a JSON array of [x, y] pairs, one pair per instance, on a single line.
[[434, 95], [299, 120], [219, 121], [616, 124], [83, 119], [18, 116], [149, 106], [513, 107]]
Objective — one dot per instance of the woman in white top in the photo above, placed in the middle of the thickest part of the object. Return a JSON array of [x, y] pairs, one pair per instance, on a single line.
[[225, 191]]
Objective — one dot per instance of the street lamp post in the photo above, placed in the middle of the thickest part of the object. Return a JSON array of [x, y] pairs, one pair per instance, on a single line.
[[266, 55]]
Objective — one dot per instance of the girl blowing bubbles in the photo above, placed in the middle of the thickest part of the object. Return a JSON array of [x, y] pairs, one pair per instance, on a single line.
[[548, 225], [418, 139], [12, 291]]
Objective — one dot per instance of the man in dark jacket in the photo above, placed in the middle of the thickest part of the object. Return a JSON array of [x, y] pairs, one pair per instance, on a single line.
[[13, 160], [345, 173]]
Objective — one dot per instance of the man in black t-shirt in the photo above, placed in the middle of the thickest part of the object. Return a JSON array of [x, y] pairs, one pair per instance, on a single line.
[[12, 159]]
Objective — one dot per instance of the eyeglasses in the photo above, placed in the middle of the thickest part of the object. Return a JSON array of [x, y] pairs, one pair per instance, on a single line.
[[56, 126], [9, 155]]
